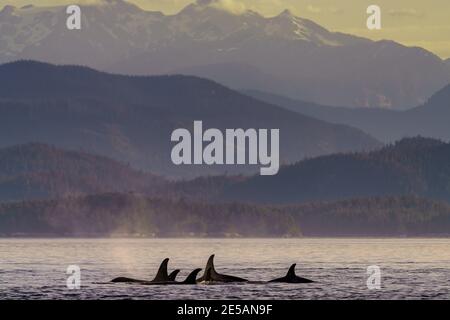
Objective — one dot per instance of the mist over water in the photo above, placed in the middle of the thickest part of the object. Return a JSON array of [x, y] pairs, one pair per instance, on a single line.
[[411, 268]]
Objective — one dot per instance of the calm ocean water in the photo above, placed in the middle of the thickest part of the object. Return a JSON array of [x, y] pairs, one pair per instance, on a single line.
[[411, 268]]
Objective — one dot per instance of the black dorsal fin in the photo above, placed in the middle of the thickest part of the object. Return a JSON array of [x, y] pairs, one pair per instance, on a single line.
[[192, 277], [291, 272], [162, 274], [210, 265], [173, 274]]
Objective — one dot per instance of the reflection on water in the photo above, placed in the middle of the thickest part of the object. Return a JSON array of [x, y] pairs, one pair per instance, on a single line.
[[411, 268]]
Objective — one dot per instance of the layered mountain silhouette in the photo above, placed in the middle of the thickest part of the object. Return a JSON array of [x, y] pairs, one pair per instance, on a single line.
[[131, 118], [415, 166], [86, 152], [428, 120], [296, 57]]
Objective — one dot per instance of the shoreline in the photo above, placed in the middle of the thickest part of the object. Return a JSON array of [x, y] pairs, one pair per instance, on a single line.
[[102, 237]]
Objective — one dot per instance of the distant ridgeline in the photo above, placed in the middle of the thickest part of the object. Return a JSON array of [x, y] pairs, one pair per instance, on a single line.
[[429, 119]]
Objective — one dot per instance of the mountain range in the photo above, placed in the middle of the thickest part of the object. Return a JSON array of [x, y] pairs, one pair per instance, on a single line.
[[87, 116], [131, 118], [428, 120], [284, 54]]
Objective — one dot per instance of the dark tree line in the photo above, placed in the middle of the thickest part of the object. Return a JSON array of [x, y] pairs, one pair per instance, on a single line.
[[136, 215]]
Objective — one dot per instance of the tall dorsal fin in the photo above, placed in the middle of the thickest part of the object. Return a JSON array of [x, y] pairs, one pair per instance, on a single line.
[[173, 275], [210, 265], [291, 272], [162, 274], [192, 277]]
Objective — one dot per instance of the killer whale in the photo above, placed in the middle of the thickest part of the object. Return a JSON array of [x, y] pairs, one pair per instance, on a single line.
[[211, 275], [161, 276], [291, 277]]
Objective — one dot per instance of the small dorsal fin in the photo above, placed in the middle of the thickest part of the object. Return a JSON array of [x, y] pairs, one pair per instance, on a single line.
[[173, 275], [162, 274], [192, 277], [291, 272]]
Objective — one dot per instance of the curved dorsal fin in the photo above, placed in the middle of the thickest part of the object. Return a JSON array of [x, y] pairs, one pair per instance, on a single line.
[[173, 275], [162, 274], [192, 277], [291, 272]]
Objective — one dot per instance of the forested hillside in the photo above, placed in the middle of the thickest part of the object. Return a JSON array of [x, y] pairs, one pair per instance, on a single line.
[[415, 166], [134, 215]]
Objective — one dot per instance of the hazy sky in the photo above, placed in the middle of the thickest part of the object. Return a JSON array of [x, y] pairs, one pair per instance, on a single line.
[[411, 22]]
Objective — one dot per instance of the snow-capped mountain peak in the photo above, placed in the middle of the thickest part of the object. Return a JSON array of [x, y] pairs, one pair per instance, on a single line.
[[215, 38]]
